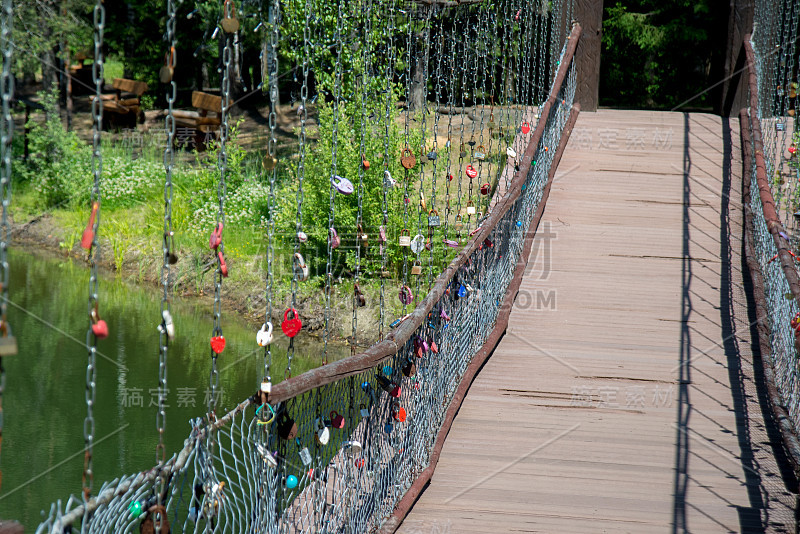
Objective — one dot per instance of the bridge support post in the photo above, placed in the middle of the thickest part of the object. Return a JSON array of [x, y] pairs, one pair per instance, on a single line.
[[587, 58]]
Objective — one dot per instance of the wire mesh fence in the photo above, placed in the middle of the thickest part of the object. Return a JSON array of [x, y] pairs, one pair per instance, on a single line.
[[335, 449]]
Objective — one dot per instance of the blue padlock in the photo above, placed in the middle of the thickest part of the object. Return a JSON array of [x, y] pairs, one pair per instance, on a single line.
[[462, 291], [388, 428]]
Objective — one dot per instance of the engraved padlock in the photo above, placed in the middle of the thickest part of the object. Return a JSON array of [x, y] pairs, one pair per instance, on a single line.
[[471, 172], [480, 153], [407, 159], [416, 269], [405, 238], [459, 224], [305, 456], [433, 218]]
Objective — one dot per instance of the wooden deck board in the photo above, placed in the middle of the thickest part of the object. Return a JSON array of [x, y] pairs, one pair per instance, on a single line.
[[573, 424]]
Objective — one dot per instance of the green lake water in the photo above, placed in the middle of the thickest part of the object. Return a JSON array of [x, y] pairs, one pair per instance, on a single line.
[[44, 402]]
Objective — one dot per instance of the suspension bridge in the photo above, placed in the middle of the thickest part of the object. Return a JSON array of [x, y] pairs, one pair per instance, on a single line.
[[598, 310]]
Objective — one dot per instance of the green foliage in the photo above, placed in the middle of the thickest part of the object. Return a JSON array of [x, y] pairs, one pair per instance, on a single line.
[[657, 54]]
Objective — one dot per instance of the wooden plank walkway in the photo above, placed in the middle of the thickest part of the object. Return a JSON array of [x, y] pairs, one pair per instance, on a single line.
[[622, 398]]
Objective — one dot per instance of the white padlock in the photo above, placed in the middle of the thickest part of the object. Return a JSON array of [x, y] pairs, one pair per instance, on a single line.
[[300, 266], [264, 336], [418, 243], [266, 386], [352, 447], [268, 458], [511, 153], [167, 326], [364, 411], [323, 432], [305, 456], [388, 180]]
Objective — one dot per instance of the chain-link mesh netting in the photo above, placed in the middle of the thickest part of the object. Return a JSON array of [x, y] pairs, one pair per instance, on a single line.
[[338, 455], [770, 138]]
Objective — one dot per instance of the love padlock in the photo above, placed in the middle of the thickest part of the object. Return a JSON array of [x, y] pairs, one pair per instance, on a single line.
[[99, 326], [511, 153], [388, 181], [433, 218], [266, 386], [432, 155], [287, 428], [362, 236], [450, 242], [361, 300], [302, 237], [88, 233], [471, 171], [269, 163], [420, 347], [300, 267], [223, 267], [405, 238], [337, 420], [462, 151], [405, 295], [264, 336], [433, 346], [167, 326], [398, 412], [409, 369], [443, 315], [291, 326], [364, 162], [230, 24], [352, 448], [323, 433], [148, 526], [342, 185], [422, 200], [216, 237], [486, 188], [470, 208], [416, 269], [472, 141], [492, 124], [363, 410], [305, 456], [418, 243], [335, 239], [526, 127], [388, 427], [8, 343], [218, 344], [480, 153], [167, 71], [382, 234], [407, 159]]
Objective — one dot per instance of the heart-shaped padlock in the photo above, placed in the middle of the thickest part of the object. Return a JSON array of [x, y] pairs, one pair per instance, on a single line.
[[342, 185], [291, 326], [418, 243], [230, 24], [486, 188], [526, 127], [405, 295], [300, 267], [269, 163], [264, 336], [407, 159], [337, 420], [99, 326], [218, 344], [471, 171], [88, 233], [216, 237]]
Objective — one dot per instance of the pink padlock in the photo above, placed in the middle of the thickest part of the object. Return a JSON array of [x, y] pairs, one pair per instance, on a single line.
[[99, 326], [223, 267], [216, 237], [335, 239]]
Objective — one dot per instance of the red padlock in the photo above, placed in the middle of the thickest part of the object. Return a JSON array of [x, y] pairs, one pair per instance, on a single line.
[[449, 177], [359, 462], [434, 346], [223, 267], [399, 413], [526, 127], [486, 188], [471, 171], [216, 237], [88, 233], [291, 326], [395, 392], [99, 326], [337, 421], [218, 344]]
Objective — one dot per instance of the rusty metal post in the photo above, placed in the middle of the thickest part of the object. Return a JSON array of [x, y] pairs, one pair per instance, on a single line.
[[587, 58]]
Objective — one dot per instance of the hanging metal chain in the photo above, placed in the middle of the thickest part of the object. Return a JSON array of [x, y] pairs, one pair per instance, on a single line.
[[166, 328], [424, 60], [437, 84], [451, 68], [337, 96], [301, 169], [406, 199], [6, 135], [97, 170], [271, 161], [463, 68], [388, 37]]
